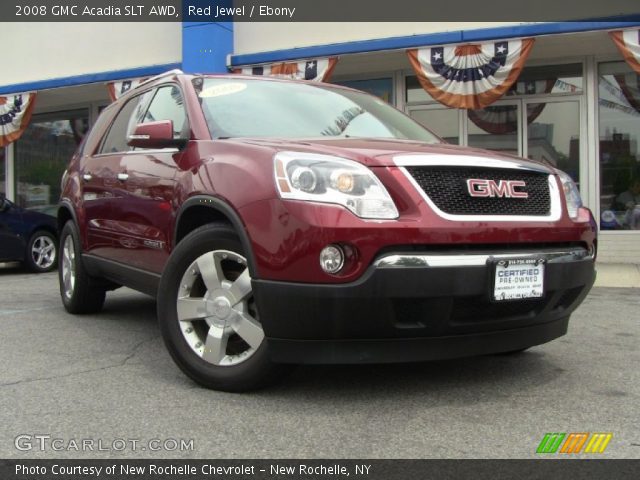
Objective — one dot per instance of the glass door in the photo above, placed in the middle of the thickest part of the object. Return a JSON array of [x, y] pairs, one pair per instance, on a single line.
[[497, 127], [553, 130], [545, 129], [441, 120]]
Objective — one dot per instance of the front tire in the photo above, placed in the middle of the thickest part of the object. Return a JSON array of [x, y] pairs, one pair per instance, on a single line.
[[207, 315], [42, 252], [514, 352], [77, 290]]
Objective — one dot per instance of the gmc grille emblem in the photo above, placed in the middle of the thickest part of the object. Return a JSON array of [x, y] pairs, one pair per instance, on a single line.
[[480, 187]]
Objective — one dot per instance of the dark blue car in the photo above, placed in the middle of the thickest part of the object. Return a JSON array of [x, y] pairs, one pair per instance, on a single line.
[[27, 236]]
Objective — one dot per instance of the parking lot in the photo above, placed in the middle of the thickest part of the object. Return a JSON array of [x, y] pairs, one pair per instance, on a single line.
[[108, 376]]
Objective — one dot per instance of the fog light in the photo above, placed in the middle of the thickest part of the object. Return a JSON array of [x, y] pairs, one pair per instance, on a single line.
[[332, 259]]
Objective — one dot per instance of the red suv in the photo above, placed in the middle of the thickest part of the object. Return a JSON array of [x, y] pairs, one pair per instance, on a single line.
[[281, 222]]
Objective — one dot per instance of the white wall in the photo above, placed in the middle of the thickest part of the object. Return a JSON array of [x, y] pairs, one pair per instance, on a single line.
[[39, 51], [619, 247], [266, 36]]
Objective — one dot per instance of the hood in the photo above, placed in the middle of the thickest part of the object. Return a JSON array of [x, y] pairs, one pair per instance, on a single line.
[[379, 152]]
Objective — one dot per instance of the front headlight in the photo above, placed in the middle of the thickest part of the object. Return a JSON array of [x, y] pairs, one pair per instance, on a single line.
[[571, 194], [327, 179]]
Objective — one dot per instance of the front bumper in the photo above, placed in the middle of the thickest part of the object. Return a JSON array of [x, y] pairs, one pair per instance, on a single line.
[[420, 306]]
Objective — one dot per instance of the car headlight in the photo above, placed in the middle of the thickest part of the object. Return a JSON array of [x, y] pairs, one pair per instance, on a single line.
[[327, 179], [571, 194]]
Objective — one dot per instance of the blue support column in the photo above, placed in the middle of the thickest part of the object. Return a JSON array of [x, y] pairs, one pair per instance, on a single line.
[[205, 46]]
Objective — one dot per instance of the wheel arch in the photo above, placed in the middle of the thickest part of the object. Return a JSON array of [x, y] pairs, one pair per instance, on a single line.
[[66, 213], [42, 227], [203, 209]]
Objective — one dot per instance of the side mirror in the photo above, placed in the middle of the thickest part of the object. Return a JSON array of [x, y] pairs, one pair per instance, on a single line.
[[155, 135]]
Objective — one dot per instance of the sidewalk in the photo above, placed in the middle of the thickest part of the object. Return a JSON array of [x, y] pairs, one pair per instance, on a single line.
[[625, 275]]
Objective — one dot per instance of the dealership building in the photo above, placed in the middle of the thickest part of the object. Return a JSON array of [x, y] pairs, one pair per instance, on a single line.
[[572, 98]]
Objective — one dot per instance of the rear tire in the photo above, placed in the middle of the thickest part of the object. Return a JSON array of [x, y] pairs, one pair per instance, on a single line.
[[78, 293], [208, 319]]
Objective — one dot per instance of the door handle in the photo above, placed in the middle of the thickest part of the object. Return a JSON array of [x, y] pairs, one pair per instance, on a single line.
[[87, 177], [123, 177]]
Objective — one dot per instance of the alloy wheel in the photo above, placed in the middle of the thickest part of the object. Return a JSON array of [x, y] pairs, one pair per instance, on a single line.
[[43, 252], [68, 266], [216, 310]]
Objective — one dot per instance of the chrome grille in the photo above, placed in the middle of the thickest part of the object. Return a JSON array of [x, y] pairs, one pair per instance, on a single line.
[[446, 186]]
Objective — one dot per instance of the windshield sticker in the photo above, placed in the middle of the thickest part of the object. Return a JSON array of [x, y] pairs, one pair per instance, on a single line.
[[222, 89]]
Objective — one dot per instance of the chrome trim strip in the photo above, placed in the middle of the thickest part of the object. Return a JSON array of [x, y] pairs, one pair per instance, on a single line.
[[476, 260], [464, 161], [554, 215], [144, 151], [136, 152]]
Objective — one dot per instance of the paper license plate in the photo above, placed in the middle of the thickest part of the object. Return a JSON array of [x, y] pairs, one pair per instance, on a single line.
[[516, 279]]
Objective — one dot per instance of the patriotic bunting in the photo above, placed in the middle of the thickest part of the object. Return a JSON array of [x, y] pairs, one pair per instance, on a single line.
[[470, 76], [117, 89], [628, 42], [15, 113], [317, 70]]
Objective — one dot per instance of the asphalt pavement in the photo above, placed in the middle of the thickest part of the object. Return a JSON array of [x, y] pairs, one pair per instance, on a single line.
[[107, 379]]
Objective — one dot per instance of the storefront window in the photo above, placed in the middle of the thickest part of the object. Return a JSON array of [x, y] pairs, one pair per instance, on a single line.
[[415, 92], [42, 154], [441, 121], [553, 135], [494, 128], [619, 119], [548, 79], [3, 170], [380, 87]]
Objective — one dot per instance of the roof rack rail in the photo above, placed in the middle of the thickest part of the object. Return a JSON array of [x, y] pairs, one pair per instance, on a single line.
[[175, 71]]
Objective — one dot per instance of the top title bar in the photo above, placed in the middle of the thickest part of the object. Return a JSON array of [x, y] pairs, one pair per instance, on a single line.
[[312, 10]]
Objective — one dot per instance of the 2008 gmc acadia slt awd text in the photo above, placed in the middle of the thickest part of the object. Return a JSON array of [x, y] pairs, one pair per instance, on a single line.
[[281, 222]]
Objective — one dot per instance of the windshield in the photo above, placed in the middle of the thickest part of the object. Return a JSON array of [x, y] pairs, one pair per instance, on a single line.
[[261, 108]]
